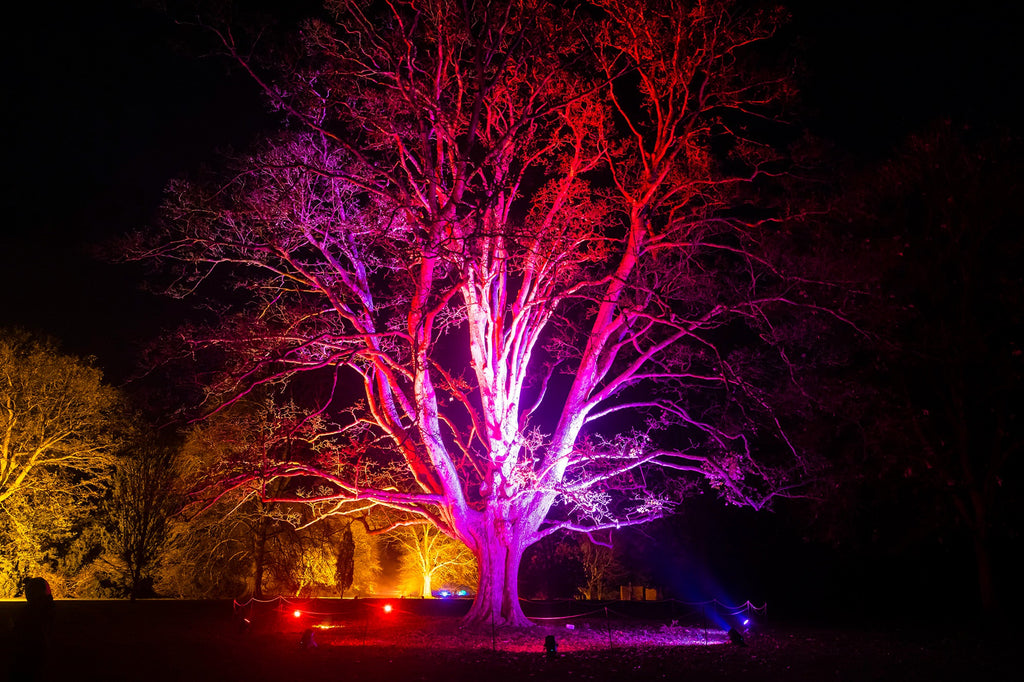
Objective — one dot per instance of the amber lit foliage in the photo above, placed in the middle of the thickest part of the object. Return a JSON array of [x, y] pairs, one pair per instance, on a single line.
[[529, 233], [431, 560], [256, 536], [56, 436]]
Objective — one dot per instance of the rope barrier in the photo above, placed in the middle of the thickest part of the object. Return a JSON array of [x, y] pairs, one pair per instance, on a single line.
[[575, 615], [719, 607]]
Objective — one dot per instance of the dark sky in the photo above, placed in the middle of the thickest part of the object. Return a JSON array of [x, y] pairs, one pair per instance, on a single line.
[[102, 110]]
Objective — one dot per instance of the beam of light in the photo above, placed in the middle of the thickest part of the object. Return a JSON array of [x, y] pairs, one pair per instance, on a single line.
[[296, 613], [387, 608]]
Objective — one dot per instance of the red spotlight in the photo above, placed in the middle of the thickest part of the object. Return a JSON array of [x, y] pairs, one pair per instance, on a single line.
[[387, 608], [296, 613]]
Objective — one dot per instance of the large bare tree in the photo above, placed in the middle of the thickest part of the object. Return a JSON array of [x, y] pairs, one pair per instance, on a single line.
[[526, 231]]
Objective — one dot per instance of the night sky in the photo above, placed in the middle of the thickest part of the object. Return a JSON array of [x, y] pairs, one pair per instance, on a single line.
[[108, 101], [105, 102]]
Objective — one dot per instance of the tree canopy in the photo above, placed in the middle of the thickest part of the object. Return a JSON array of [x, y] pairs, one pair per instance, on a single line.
[[57, 421], [528, 235]]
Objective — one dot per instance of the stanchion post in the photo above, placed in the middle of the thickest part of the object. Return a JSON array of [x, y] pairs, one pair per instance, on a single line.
[[704, 617], [366, 624]]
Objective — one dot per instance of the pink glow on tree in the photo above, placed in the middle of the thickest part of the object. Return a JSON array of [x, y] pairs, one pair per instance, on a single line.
[[510, 230]]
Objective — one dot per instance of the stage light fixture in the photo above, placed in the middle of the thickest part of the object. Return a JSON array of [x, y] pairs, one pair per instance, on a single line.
[[307, 641], [550, 646], [735, 637]]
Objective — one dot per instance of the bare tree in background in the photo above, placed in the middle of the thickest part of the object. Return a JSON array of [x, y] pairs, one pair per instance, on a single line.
[[601, 569], [143, 498]]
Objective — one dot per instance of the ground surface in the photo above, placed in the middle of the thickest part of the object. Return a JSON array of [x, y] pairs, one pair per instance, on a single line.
[[209, 641]]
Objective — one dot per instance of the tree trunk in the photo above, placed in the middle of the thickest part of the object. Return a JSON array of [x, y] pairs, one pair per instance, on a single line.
[[983, 561], [427, 592], [499, 552], [982, 548], [258, 556]]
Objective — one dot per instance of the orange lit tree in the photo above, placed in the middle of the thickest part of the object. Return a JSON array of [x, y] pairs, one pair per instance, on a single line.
[[236, 535], [431, 559], [526, 232], [56, 435]]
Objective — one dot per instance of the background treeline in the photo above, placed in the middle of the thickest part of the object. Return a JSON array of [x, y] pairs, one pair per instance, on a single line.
[[924, 450]]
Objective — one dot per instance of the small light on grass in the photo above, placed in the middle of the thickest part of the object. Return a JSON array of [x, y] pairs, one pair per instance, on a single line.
[[387, 608], [297, 613]]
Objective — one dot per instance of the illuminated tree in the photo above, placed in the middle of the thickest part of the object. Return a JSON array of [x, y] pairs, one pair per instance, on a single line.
[[430, 558], [333, 556], [56, 435], [238, 529], [318, 550], [526, 232], [366, 561], [205, 557]]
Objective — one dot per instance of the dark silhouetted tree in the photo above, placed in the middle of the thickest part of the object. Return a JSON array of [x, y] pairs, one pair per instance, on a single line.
[[949, 198], [143, 498], [345, 563]]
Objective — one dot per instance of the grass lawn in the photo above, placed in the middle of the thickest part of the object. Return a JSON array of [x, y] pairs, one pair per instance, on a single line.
[[172, 640]]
